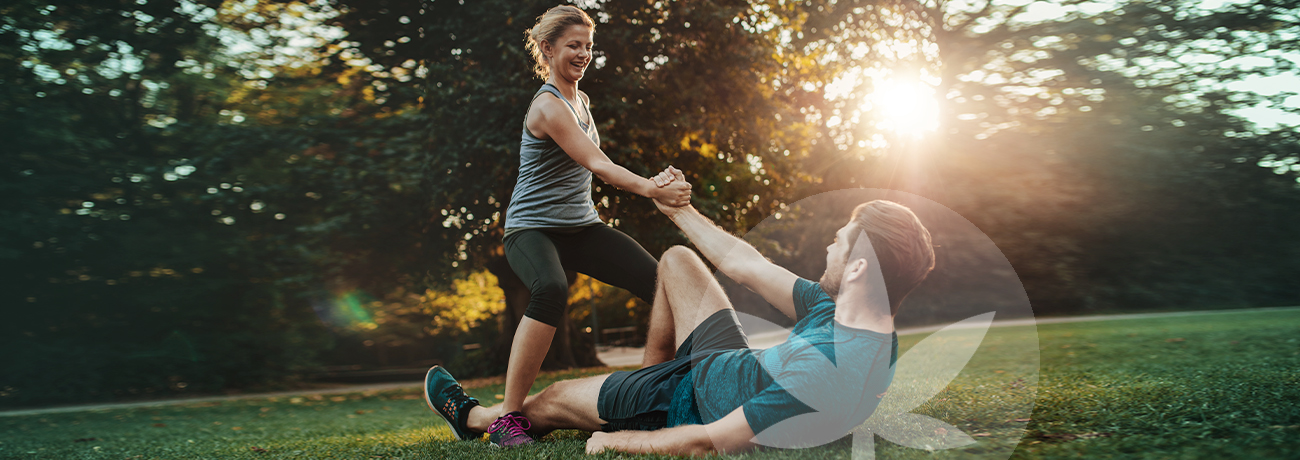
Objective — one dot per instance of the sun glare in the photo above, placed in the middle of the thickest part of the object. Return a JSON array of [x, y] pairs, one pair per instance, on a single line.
[[904, 107]]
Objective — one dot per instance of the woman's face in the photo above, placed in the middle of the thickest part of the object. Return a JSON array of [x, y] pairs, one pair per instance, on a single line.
[[571, 53]]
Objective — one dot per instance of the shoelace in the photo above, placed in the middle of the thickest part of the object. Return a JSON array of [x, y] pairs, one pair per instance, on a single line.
[[513, 424], [456, 398]]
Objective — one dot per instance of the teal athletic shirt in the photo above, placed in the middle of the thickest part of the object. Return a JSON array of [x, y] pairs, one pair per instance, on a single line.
[[725, 380]]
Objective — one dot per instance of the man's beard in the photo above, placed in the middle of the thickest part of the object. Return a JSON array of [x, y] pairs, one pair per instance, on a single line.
[[831, 281]]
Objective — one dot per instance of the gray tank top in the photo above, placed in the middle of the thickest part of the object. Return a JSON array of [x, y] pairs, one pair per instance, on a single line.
[[553, 190]]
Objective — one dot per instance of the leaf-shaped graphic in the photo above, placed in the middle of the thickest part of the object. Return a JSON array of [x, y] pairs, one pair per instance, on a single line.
[[805, 430], [798, 431], [922, 432], [840, 398], [864, 444], [924, 371], [918, 431], [928, 367]]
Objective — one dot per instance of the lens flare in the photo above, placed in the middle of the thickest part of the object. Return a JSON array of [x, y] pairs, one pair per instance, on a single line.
[[346, 310]]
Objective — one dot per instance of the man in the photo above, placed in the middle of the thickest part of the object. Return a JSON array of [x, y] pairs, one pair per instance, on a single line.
[[698, 369]]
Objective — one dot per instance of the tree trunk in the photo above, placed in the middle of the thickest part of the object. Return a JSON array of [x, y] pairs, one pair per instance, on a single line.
[[566, 351]]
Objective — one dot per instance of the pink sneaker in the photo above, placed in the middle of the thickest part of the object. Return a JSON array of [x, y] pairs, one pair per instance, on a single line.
[[510, 430]]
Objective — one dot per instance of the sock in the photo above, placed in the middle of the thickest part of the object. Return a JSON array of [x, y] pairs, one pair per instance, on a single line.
[[462, 415]]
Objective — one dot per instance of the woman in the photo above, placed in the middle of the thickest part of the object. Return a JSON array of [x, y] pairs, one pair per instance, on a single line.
[[551, 223]]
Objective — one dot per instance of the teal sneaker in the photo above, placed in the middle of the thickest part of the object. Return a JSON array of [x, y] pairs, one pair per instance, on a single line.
[[448, 399], [510, 430]]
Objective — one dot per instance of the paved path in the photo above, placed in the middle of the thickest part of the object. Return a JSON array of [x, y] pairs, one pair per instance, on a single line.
[[616, 357]]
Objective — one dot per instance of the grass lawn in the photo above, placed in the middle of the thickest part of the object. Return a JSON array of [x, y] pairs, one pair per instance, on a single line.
[[1205, 386]]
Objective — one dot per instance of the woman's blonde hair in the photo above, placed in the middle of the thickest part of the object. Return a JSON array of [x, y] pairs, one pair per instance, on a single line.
[[550, 26]]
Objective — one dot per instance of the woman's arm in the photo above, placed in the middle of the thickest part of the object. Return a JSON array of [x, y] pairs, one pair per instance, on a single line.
[[550, 117]]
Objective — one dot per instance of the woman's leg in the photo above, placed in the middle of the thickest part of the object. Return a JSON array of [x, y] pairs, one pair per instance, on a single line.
[[532, 341], [611, 257], [614, 258], [534, 258]]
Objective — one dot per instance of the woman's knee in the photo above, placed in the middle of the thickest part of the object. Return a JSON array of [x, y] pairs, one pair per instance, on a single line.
[[547, 302]]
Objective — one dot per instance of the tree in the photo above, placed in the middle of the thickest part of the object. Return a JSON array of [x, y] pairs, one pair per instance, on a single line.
[[1067, 139], [673, 88], [126, 272], [762, 103]]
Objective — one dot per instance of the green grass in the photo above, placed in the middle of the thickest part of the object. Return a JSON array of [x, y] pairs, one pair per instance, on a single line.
[[1206, 386]]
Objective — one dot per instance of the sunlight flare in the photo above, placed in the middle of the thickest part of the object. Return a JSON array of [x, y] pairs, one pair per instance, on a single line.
[[904, 107]]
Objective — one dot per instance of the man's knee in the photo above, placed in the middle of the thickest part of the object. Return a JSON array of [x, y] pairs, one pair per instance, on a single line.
[[677, 258]]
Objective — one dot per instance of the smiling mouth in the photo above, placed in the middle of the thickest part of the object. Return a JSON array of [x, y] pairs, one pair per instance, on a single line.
[[582, 66]]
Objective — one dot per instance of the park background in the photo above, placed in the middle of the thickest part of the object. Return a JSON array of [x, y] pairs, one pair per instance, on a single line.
[[211, 196]]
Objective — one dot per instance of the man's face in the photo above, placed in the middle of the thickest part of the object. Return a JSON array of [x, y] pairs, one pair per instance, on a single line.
[[837, 255]]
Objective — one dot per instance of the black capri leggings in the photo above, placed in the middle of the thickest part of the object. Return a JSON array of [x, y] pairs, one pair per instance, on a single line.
[[540, 256]]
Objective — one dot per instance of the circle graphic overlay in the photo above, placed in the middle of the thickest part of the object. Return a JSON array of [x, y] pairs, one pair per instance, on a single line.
[[965, 371]]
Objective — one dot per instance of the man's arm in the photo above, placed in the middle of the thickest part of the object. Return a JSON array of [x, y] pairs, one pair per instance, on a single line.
[[735, 258], [728, 435]]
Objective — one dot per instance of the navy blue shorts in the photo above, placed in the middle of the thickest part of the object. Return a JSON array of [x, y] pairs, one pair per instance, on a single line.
[[639, 400]]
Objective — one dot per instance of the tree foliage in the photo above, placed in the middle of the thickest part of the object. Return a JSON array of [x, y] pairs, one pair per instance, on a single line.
[[216, 194], [123, 275]]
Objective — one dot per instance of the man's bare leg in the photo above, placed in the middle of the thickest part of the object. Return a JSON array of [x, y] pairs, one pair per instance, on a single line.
[[660, 342], [687, 294], [690, 291], [568, 404]]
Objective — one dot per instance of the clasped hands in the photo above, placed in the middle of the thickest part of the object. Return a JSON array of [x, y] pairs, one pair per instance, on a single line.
[[673, 191]]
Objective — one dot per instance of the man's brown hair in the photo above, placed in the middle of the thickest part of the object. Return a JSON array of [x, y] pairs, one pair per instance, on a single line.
[[902, 245]]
